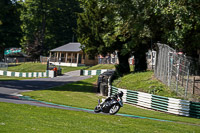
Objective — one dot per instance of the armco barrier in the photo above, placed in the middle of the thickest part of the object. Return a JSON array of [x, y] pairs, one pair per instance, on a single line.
[[165, 104], [27, 74], [93, 72]]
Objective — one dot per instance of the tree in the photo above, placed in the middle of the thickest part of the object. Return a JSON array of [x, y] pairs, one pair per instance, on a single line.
[[63, 22], [126, 30], [94, 26], [91, 27], [184, 17], [33, 17], [10, 32], [47, 24], [133, 25]]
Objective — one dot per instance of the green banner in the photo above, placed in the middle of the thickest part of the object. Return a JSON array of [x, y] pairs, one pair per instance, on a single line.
[[12, 51]]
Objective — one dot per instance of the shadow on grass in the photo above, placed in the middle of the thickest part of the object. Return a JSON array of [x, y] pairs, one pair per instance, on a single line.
[[13, 65], [65, 84], [6, 96], [79, 86]]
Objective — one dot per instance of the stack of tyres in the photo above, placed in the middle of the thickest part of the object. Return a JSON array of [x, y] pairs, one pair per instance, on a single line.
[[103, 82]]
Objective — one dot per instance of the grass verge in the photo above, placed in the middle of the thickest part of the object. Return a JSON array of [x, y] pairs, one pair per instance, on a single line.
[[102, 66], [5, 78], [38, 67], [144, 82], [107, 66], [28, 67], [26, 118], [81, 94]]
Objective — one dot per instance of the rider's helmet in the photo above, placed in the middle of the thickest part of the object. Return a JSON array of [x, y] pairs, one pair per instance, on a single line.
[[120, 94]]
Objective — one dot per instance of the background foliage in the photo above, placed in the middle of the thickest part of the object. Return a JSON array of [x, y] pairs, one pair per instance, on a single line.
[[10, 31], [47, 24], [129, 27]]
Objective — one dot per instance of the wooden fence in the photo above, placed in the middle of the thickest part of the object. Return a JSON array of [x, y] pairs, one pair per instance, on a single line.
[[196, 86]]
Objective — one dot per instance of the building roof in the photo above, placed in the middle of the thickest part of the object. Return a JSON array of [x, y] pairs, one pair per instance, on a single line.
[[70, 47]]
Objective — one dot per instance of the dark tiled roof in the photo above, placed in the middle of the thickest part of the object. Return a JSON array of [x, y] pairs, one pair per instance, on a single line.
[[70, 47]]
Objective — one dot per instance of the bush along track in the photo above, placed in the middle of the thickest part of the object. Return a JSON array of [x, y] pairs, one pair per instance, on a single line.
[[59, 106]]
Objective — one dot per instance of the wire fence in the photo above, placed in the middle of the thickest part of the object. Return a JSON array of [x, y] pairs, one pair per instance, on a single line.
[[108, 60], [3, 66], [175, 70]]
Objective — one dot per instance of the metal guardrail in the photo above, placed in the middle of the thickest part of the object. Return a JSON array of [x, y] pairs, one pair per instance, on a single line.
[[3, 66], [93, 72], [160, 103], [27, 74]]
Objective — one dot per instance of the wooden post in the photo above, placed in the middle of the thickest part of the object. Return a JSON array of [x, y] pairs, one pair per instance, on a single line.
[[77, 58], [177, 75], [66, 57], [60, 57], [168, 70], [57, 57], [72, 58], [193, 88], [188, 73]]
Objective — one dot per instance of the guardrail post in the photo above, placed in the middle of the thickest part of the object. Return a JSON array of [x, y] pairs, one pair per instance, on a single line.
[[109, 87], [177, 75], [168, 69], [188, 72], [193, 85]]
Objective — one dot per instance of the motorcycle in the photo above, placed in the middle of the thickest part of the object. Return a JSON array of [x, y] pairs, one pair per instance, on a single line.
[[110, 105]]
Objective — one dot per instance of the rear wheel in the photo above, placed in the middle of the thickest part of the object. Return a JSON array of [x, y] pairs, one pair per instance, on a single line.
[[97, 109], [114, 109]]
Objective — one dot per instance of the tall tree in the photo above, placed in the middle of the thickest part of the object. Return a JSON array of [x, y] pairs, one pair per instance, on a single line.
[[126, 30], [91, 27], [96, 28], [10, 32], [33, 17], [47, 24], [133, 25], [63, 22], [184, 17]]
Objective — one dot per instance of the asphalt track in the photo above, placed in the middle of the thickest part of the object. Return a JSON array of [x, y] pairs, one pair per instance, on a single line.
[[30, 101], [10, 92]]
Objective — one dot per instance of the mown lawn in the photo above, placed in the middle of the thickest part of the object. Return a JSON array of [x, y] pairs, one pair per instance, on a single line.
[[144, 82], [15, 118], [38, 67], [81, 94], [102, 66], [28, 67], [5, 78], [66, 69]]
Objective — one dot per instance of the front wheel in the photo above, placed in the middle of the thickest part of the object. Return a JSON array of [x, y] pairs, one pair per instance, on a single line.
[[97, 109], [114, 109]]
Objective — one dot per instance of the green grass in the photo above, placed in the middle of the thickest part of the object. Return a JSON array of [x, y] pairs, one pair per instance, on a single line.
[[70, 94], [38, 67], [102, 66], [17, 118], [106, 66], [28, 67], [81, 94], [66, 69], [144, 82], [5, 78]]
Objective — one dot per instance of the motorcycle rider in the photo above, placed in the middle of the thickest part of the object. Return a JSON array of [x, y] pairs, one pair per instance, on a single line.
[[119, 94]]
